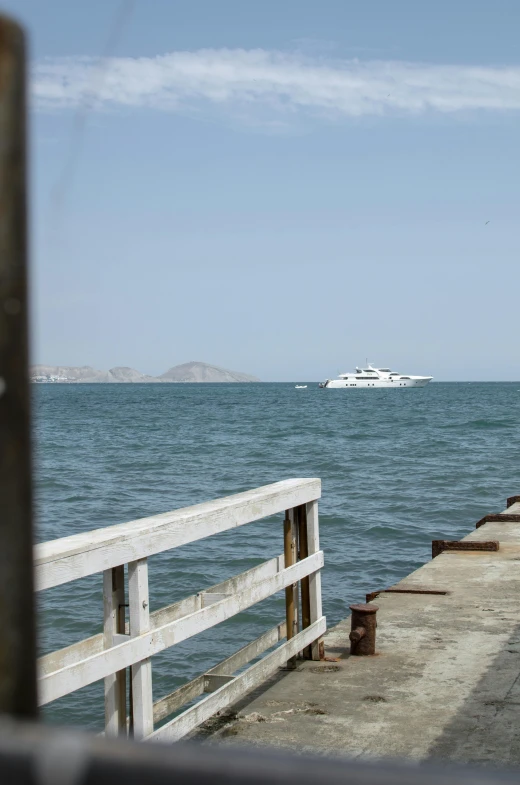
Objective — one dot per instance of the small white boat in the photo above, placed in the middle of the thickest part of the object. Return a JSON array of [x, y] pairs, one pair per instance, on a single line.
[[375, 377], [300, 386]]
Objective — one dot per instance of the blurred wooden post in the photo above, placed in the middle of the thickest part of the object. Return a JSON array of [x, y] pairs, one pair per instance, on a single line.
[[17, 638]]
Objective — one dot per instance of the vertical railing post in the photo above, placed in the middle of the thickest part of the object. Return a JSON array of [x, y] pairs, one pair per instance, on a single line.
[[304, 583], [17, 636], [313, 545], [295, 534], [139, 605], [291, 603], [113, 624]]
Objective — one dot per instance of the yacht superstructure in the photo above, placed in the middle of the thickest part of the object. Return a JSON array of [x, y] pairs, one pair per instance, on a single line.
[[375, 377]]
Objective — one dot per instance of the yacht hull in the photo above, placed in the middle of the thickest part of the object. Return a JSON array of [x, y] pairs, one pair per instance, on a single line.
[[344, 384]]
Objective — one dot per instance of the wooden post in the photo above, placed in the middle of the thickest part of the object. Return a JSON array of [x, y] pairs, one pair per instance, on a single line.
[[304, 583], [296, 586], [139, 603], [114, 623], [291, 607], [313, 545], [17, 639]]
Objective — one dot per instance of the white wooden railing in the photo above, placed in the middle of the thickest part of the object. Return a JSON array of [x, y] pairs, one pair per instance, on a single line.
[[123, 645]]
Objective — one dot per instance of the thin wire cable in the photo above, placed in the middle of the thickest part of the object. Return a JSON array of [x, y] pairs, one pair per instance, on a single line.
[[65, 179]]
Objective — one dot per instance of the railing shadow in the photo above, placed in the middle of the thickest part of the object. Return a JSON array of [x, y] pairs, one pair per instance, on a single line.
[[484, 730]]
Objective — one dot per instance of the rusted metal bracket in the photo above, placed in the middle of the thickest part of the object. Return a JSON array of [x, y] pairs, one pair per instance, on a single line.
[[417, 589], [498, 517], [512, 500], [438, 546]]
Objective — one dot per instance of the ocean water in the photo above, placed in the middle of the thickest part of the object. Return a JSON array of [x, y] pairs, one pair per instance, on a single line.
[[398, 468]]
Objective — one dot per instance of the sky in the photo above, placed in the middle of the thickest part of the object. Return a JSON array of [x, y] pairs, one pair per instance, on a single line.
[[278, 187]]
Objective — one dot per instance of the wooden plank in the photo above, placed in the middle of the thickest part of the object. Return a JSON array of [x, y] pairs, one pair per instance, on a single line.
[[233, 585], [139, 603], [214, 682], [238, 583], [114, 623], [93, 645], [170, 703], [176, 699], [253, 500], [70, 654], [69, 558], [229, 693], [210, 598], [73, 677], [250, 651], [176, 610], [313, 546]]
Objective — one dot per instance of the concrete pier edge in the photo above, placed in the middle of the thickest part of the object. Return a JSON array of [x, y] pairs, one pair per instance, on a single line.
[[444, 684]]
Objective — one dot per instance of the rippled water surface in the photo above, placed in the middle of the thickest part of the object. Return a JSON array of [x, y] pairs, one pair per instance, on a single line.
[[398, 468]]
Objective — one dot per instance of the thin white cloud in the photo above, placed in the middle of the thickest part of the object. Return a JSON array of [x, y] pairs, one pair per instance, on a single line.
[[270, 87]]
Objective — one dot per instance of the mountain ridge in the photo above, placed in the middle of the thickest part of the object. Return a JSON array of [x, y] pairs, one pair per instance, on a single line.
[[203, 372], [186, 373]]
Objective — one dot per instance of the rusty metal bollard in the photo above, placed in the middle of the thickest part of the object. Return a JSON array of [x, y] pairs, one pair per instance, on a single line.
[[363, 631]]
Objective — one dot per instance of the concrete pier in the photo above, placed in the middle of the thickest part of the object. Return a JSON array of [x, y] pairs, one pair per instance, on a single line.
[[444, 682]]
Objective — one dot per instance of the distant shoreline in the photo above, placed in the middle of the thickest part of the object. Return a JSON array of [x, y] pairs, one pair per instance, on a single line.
[[81, 381], [187, 373]]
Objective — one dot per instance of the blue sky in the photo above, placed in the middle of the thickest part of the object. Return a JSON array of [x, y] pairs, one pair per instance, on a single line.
[[281, 188]]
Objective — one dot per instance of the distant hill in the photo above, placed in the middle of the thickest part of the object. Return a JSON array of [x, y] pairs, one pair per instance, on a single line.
[[188, 372], [86, 375], [129, 376], [201, 372]]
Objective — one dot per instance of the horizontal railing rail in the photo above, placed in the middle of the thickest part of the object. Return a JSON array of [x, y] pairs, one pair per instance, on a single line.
[[130, 644], [70, 558]]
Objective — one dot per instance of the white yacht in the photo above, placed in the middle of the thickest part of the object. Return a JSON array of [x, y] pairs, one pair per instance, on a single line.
[[376, 377]]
